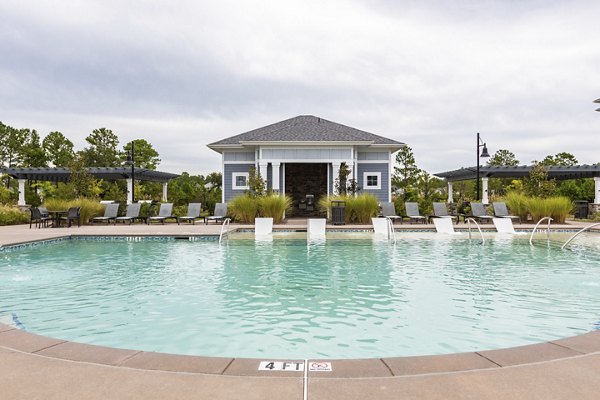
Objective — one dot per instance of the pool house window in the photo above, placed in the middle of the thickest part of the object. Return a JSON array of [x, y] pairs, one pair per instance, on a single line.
[[372, 180], [240, 180]]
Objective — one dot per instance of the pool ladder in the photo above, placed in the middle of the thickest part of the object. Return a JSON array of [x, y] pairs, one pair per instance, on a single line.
[[578, 232], [536, 226], [478, 228], [224, 233]]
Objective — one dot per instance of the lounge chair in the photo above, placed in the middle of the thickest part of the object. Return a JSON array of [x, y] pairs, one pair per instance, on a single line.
[[412, 212], [478, 212], [440, 211], [263, 227], [505, 225], [500, 211], [165, 212], [193, 213], [444, 225], [220, 213], [38, 218], [110, 213], [315, 228], [131, 213], [389, 210], [74, 213]]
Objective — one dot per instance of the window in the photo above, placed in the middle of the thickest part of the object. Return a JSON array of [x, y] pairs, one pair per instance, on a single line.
[[372, 180], [239, 180]]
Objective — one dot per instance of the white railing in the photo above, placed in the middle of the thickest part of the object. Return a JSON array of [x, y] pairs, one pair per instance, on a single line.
[[478, 228], [224, 232], [536, 226], [391, 230], [577, 234]]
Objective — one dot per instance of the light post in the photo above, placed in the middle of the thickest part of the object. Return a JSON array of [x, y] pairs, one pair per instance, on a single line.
[[484, 153], [131, 161]]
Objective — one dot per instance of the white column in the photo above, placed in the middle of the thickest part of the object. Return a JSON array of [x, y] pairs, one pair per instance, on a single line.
[[129, 190], [597, 189], [335, 175], [165, 192], [276, 176], [21, 201], [450, 194], [484, 196], [262, 170]]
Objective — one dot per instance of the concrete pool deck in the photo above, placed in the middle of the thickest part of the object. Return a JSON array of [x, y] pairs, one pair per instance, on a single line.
[[37, 367]]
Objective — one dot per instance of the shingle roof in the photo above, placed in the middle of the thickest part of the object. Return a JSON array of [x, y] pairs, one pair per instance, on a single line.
[[306, 128]]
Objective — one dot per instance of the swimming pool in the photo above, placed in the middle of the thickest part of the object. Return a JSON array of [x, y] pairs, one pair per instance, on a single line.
[[290, 299]]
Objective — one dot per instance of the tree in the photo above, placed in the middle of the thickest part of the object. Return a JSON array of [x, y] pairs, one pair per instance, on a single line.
[[81, 182], [145, 155], [11, 143], [256, 184], [406, 172], [32, 153], [537, 183], [341, 181], [561, 159], [59, 149], [503, 158], [102, 151]]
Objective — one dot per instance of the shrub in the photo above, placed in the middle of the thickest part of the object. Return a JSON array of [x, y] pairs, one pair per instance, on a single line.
[[7, 196], [13, 215], [559, 207], [89, 208], [243, 208], [274, 206], [517, 204], [359, 209]]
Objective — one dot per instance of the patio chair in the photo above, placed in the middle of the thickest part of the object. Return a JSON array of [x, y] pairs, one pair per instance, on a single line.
[[220, 213], [388, 210], [38, 218], [193, 213], [500, 211], [110, 213], [505, 225], [478, 212], [131, 213], [165, 212], [412, 212], [74, 213], [440, 211]]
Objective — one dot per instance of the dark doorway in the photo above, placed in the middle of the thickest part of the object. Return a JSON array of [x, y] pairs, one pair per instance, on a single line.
[[305, 184]]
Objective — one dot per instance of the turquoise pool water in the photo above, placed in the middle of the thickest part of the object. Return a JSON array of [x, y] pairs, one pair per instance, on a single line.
[[289, 299]]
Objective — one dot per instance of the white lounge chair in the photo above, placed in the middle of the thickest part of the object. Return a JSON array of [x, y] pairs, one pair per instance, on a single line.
[[263, 227], [381, 228], [444, 225], [315, 228], [505, 225]]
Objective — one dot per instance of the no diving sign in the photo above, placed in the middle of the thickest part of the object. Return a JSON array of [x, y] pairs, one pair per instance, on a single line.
[[295, 366]]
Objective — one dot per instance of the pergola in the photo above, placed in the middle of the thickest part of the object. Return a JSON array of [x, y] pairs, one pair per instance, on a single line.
[[63, 174], [554, 172]]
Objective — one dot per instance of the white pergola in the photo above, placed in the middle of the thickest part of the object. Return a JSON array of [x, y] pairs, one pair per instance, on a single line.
[[62, 175]]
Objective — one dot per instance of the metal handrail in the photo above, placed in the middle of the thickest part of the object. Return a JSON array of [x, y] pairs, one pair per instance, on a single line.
[[535, 227], [478, 227], [577, 234], [226, 221], [391, 230]]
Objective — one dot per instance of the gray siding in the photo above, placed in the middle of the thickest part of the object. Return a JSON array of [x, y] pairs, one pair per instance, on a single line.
[[306, 154], [383, 193], [238, 156], [383, 156], [228, 192]]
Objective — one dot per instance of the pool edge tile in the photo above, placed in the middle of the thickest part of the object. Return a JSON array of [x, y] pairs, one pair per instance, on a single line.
[[5, 328], [177, 363], [25, 341], [87, 353], [352, 368], [249, 367], [585, 343]]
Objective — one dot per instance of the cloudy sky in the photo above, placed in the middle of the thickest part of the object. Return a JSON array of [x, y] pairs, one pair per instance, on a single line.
[[430, 73]]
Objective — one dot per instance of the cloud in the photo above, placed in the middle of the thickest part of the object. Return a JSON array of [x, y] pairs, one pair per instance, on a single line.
[[430, 73]]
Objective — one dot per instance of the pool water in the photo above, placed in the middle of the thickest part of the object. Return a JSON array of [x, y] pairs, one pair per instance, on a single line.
[[290, 299]]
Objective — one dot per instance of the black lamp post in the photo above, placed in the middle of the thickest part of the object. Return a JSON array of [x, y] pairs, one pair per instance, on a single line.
[[484, 153], [130, 161]]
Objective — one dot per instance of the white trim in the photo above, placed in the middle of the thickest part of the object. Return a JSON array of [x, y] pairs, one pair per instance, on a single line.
[[373, 161], [367, 174], [234, 176], [239, 162]]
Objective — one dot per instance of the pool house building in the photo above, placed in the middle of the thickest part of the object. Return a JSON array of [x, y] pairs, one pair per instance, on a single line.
[[302, 156]]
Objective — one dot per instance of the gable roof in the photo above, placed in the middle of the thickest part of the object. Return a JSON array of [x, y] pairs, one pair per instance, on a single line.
[[305, 128]]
